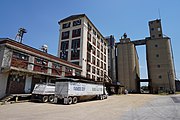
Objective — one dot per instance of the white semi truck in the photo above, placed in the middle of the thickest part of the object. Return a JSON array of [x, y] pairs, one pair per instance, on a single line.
[[43, 92], [71, 90]]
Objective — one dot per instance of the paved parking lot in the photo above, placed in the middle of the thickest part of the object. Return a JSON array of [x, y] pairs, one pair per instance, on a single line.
[[118, 107]]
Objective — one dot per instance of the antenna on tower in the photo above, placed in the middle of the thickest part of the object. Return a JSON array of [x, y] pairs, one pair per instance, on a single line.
[[159, 13], [20, 34]]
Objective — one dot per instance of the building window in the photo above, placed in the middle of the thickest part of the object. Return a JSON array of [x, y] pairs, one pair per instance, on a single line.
[[101, 40], [159, 29], [76, 32], [94, 60], [98, 53], [98, 44], [64, 45], [88, 76], [94, 50], [66, 25], [101, 64], [153, 36], [75, 44], [152, 29], [88, 67], [65, 35], [75, 55], [89, 27], [158, 66], [160, 35], [104, 66], [57, 65], [102, 56], [77, 22], [101, 48], [102, 73], [88, 57], [98, 73], [98, 62], [89, 36], [104, 50], [94, 41], [93, 69], [93, 77], [104, 44], [20, 56], [98, 36], [40, 61], [94, 32], [89, 47], [64, 55]]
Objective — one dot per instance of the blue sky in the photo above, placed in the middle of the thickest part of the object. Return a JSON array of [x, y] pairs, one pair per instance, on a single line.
[[40, 18]]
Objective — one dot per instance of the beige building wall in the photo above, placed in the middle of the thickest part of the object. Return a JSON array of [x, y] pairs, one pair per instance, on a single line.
[[160, 65], [128, 65]]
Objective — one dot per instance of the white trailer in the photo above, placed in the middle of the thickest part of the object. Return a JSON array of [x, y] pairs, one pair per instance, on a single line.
[[72, 90], [43, 92]]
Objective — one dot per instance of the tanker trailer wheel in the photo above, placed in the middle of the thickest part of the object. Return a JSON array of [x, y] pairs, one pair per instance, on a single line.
[[45, 99], [75, 100], [70, 100], [51, 99]]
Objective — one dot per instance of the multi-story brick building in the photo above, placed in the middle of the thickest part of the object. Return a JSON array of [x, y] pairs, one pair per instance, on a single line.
[[22, 66], [81, 43]]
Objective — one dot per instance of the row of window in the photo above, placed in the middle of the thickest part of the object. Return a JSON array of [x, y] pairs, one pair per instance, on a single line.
[[74, 45], [75, 54], [93, 49], [89, 56], [75, 23], [94, 39], [95, 70], [75, 33]]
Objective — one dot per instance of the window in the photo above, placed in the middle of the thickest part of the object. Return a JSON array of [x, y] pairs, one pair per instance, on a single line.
[[93, 60], [20, 56], [101, 40], [159, 29], [75, 44], [152, 29], [158, 66], [101, 48], [160, 35], [57, 65], [76, 32], [98, 36], [104, 44], [66, 25], [102, 56], [41, 61], [101, 64], [94, 41], [156, 45], [98, 62], [64, 55], [93, 69], [75, 55], [89, 27], [94, 50], [153, 36], [88, 75], [64, 45], [98, 44], [94, 32], [93, 77], [88, 57], [89, 36], [104, 50], [104, 66], [77, 22], [98, 53], [89, 47], [88, 67], [65, 35], [98, 73], [101, 72]]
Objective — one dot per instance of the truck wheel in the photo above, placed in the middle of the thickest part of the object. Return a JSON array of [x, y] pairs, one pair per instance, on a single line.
[[51, 99], [75, 100], [45, 99], [101, 97], [70, 100]]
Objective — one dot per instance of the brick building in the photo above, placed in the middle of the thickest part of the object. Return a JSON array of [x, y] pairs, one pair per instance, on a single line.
[[22, 66]]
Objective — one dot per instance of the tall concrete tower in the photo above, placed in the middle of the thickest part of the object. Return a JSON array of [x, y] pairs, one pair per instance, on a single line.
[[128, 65], [159, 60]]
